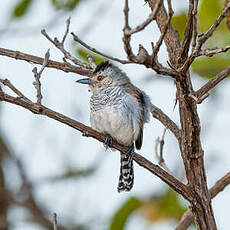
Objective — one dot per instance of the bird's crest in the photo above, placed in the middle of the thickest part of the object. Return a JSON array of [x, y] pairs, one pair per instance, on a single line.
[[102, 66]]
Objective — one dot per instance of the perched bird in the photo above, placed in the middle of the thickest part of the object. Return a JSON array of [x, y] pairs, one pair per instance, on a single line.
[[119, 110]]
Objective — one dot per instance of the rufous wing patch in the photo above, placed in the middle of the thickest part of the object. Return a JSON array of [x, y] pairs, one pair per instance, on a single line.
[[139, 97]]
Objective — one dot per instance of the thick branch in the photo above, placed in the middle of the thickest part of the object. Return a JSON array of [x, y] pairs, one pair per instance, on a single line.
[[89, 132], [190, 144], [66, 67], [190, 31], [156, 48], [220, 185], [171, 37]]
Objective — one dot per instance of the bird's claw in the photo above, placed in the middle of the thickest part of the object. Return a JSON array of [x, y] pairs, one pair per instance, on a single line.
[[108, 141]]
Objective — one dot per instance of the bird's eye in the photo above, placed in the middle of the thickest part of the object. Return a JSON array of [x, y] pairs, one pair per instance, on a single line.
[[99, 78]]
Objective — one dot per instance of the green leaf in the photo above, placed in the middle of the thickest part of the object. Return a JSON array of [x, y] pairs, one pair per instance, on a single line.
[[170, 206], [65, 4], [208, 67], [21, 8], [179, 23], [83, 53], [166, 206], [120, 218], [208, 13]]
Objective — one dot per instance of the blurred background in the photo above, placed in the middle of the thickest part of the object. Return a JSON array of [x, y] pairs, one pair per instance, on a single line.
[[47, 167]]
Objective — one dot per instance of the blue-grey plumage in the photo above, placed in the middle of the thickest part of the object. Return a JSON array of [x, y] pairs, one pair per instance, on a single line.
[[118, 109]]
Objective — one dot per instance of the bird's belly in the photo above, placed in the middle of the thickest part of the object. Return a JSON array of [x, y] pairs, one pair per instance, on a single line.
[[115, 122]]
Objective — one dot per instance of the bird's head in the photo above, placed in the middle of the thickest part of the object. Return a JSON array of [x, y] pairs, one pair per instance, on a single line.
[[105, 75]]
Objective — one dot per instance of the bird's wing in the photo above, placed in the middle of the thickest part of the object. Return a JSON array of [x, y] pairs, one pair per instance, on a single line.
[[139, 98]]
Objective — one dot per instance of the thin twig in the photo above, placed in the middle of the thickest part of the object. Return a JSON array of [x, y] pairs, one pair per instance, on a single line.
[[220, 185], [91, 61], [67, 31], [214, 51], [159, 154], [205, 36], [127, 37], [202, 38], [37, 76], [142, 26], [67, 54], [78, 40], [200, 94], [195, 31], [55, 222], [7, 83]]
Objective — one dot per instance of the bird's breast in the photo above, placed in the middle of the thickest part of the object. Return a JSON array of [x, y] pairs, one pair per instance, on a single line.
[[116, 115]]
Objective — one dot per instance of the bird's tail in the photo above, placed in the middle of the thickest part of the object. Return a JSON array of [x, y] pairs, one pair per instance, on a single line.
[[126, 173]]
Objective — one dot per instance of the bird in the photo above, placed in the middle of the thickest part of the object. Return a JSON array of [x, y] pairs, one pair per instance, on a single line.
[[119, 110]]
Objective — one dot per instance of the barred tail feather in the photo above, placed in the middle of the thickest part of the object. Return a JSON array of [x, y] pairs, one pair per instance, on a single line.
[[126, 173]]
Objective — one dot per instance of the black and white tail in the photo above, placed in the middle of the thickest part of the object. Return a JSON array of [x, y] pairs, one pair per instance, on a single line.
[[126, 174]]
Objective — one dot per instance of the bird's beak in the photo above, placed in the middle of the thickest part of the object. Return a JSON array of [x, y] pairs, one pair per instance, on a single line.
[[87, 81]]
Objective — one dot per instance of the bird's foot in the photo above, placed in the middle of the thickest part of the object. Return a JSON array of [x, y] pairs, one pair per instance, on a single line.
[[108, 141]]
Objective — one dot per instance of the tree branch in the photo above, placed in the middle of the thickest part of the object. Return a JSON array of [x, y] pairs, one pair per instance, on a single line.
[[151, 17], [190, 31], [127, 37], [166, 121], [89, 132], [66, 67], [67, 54], [202, 38], [214, 51], [171, 37], [37, 76], [78, 40], [188, 218], [156, 48], [202, 93]]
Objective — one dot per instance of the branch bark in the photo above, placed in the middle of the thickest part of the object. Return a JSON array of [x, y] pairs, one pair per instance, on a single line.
[[64, 66], [220, 185], [199, 94], [188, 136], [190, 144], [89, 132]]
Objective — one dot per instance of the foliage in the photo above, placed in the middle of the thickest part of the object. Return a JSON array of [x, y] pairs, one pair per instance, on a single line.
[[179, 22], [165, 206], [156, 208], [65, 4], [83, 53], [120, 218], [21, 8], [207, 67]]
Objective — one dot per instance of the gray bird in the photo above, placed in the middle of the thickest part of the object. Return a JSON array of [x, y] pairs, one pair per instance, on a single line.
[[119, 110]]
